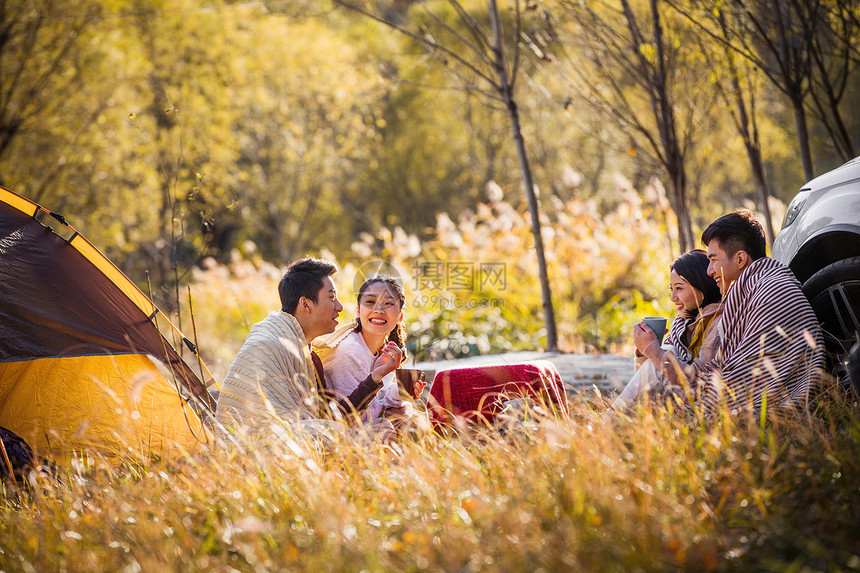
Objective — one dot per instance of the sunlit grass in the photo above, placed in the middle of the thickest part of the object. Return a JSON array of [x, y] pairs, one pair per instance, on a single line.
[[652, 491]]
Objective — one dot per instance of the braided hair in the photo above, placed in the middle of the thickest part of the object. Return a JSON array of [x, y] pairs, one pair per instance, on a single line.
[[398, 333]]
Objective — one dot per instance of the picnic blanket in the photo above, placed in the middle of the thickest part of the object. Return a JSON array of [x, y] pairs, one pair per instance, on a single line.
[[478, 394]]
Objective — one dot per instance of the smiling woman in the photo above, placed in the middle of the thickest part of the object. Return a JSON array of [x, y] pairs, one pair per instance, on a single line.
[[380, 313], [693, 335], [350, 352]]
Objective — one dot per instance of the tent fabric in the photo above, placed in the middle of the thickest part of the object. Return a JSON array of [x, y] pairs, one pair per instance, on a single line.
[[115, 406], [82, 364]]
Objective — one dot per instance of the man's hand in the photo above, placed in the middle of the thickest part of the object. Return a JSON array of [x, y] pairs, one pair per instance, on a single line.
[[643, 336], [390, 357]]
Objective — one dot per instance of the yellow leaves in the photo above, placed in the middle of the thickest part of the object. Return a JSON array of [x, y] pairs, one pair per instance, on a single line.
[[290, 552], [649, 51], [409, 537]]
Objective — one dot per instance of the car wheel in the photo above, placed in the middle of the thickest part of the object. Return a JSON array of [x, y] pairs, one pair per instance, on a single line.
[[854, 367], [834, 293]]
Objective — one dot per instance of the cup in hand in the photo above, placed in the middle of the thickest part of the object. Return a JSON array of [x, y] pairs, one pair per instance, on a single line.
[[408, 379], [657, 324]]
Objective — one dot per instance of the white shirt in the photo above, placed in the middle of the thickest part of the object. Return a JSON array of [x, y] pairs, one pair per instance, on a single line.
[[349, 364]]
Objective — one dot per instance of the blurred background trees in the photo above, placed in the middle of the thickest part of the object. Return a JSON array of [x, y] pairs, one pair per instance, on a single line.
[[170, 133]]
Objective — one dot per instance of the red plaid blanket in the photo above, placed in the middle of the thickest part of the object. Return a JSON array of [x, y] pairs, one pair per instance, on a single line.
[[478, 394]]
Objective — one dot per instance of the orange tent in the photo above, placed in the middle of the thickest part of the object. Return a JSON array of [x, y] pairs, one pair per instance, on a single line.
[[84, 368]]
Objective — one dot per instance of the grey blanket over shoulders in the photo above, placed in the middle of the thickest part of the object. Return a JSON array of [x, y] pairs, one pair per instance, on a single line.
[[268, 388], [771, 343]]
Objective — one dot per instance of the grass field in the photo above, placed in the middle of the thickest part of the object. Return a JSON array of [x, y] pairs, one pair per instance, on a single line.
[[653, 491]]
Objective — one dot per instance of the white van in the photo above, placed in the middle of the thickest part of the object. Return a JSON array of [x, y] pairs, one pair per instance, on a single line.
[[820, 241]]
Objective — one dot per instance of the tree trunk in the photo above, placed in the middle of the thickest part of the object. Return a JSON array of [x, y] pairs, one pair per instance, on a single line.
[[682, 209], [763, 191], [802, 136], [664, 114], [836, 125], [528, 183], [795, 91], [746, 125]]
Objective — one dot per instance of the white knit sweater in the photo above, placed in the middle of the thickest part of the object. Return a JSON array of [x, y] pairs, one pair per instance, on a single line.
[[269, 381]]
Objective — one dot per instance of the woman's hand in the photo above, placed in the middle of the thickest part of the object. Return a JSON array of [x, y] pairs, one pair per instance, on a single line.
[[390, 357], [643, 337]]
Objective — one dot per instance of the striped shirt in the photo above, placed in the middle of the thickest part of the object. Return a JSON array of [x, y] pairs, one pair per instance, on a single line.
[[771, 346]]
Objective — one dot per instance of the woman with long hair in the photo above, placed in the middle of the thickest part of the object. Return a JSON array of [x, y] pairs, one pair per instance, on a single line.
[[693, 337], [348, 354]]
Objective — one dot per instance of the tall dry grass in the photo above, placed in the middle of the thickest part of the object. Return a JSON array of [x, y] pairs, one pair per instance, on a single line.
[[651, 491]]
